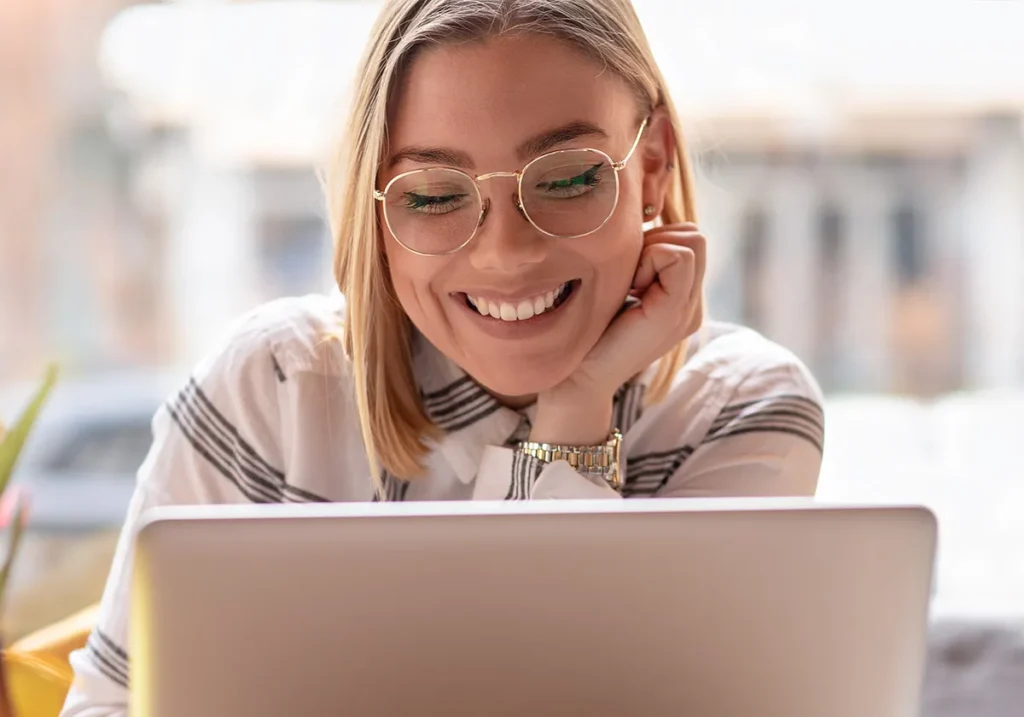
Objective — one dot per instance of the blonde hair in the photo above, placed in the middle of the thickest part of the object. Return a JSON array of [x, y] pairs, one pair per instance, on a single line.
[[377, 334]]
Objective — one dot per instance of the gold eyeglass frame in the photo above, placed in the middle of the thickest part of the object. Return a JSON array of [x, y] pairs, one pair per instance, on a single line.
[[381, 195]]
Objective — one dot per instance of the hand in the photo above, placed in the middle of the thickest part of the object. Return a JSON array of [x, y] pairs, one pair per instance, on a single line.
[[669, 282]]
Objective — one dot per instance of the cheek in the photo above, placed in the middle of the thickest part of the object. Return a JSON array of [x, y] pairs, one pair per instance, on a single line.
[[413, 278], [616, 252], [406, 276], [622, 238]]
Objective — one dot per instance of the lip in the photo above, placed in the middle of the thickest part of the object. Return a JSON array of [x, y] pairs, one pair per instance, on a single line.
[[512, 297], [516, 329]]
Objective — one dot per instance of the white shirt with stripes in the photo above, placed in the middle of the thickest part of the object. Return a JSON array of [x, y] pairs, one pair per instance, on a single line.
[[269, 416]]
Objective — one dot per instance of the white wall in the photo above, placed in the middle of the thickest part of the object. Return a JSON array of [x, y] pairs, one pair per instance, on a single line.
[[994, 251], [212, 263]]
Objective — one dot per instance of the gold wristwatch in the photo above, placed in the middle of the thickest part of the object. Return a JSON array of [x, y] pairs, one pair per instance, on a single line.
[[601, 460]]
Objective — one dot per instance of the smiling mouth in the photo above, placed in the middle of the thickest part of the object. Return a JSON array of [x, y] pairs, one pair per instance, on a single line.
[[525, 309]]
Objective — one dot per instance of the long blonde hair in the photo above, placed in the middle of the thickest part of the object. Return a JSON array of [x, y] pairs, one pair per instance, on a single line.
[[377, 334]]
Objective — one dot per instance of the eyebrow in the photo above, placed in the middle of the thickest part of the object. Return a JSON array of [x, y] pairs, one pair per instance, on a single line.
[[552, 138], [432, 155], [532, 147]]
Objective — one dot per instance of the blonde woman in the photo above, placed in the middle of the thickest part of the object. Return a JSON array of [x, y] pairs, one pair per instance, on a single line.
[[510, 329]]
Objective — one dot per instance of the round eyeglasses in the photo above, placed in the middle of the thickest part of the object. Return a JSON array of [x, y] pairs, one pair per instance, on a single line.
[[565, 194]]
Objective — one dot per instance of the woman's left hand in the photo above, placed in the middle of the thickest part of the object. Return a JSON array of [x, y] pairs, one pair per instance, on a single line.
[[669, 283]]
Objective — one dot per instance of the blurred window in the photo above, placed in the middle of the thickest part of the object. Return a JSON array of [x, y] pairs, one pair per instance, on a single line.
[[908, 251], [831, 228], [753, 253], [294, 251], [111, 448], [830, 292]]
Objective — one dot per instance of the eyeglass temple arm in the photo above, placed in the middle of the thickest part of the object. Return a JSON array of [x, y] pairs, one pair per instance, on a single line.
[[636, 142]]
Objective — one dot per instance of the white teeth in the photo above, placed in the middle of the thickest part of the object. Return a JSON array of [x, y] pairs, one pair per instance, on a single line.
[[520, 311], [508, 312]]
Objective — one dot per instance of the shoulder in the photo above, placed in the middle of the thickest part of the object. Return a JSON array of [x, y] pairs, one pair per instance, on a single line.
[[736, 379], [280, 362], [269, 410], [746, 364], [744, 416], [278, 340], [763, 388]]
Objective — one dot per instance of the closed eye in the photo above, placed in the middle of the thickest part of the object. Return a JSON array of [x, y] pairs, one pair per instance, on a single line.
[[433, 204], [574, 186]]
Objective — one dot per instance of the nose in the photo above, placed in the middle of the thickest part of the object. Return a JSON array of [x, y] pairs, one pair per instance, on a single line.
[[506, 242]]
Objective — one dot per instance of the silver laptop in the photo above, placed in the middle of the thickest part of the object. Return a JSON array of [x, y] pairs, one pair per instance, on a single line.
[[706, 608]]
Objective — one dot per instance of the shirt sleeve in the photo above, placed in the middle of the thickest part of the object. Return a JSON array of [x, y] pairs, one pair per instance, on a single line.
[[766, 440], [213, 442]]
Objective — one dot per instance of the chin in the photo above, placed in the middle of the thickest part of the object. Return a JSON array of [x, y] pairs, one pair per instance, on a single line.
[[517, 379]]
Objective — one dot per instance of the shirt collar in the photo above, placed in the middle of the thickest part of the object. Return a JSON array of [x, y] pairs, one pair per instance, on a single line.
[[469, 416]]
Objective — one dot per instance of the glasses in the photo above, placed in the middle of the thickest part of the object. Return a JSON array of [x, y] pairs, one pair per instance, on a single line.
[[565, 194]]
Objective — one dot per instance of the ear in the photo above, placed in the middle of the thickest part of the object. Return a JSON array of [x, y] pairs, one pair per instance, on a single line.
[[657, 152]]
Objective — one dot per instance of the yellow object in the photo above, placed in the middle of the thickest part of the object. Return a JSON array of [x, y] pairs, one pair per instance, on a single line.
[[38, 673]]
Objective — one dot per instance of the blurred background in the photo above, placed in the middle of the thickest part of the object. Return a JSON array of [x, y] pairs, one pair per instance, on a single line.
[[861, 170]]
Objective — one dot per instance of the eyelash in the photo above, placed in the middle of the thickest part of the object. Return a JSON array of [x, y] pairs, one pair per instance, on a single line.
[[426, 204], [568, 191]]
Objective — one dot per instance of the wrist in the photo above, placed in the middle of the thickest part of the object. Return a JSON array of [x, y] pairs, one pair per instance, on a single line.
[[572, 419]]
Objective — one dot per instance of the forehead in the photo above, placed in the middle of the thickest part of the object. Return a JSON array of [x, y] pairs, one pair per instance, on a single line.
[[482, 94]]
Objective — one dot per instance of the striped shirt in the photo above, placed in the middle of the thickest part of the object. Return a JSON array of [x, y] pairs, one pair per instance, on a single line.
[[269, 416]]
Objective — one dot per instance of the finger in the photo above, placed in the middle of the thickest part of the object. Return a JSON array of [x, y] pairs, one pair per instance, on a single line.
[[663, 318], [674, 278], [654, 256], [691, 310], [678, 226], [658, 267], [669, 233], [653, 260], [699, 246], [669, 279], [674, 300]]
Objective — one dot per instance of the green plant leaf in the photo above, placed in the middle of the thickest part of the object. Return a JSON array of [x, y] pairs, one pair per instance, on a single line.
[[13, 542], [14, 439]]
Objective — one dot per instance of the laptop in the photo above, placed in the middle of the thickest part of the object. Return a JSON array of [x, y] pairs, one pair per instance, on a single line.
[[643, 608]]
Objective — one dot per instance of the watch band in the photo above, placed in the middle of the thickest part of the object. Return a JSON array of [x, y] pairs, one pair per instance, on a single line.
[[599, 460]]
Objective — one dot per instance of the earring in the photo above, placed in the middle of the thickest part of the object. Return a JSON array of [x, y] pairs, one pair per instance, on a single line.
[[650, 210]]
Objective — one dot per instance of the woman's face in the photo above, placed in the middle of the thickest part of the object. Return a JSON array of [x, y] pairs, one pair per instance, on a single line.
[[492, 106]]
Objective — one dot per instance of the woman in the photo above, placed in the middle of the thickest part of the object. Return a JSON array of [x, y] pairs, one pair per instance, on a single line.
[[511, 329]]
